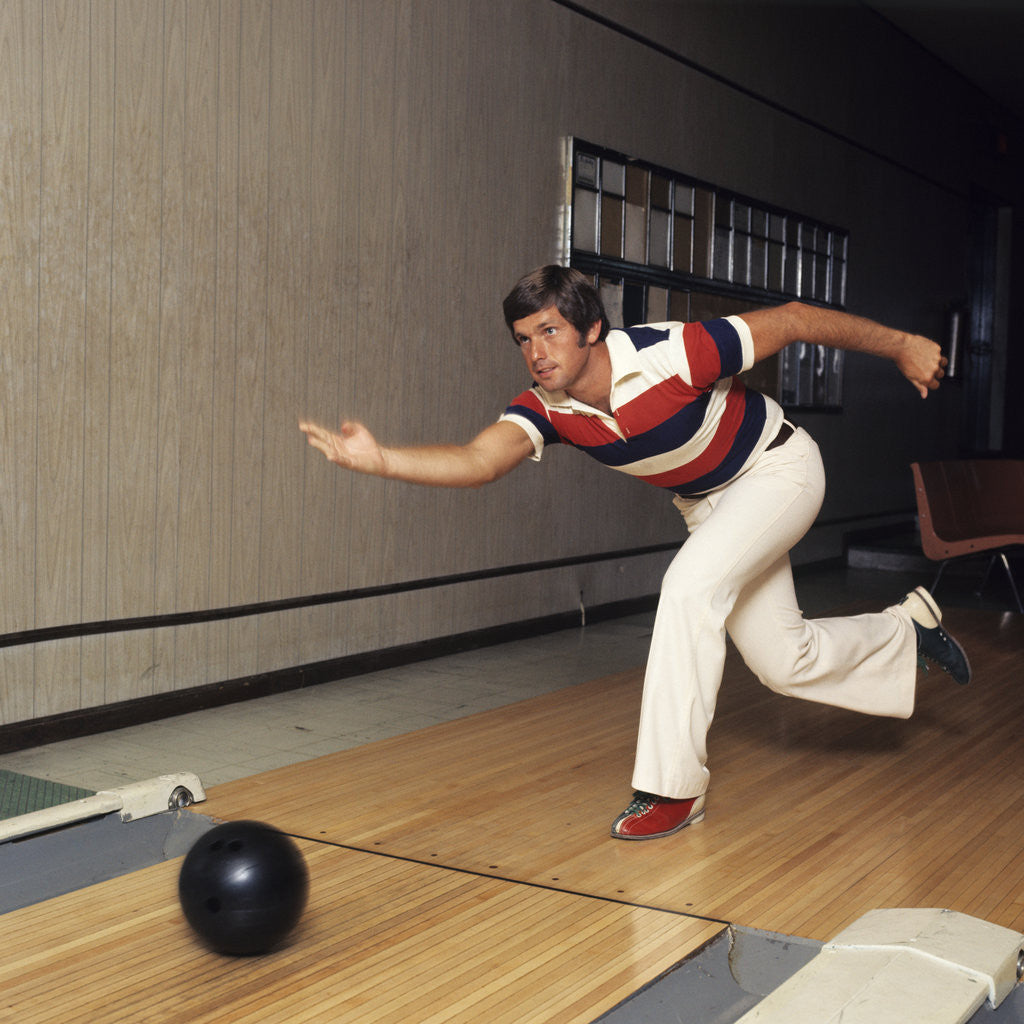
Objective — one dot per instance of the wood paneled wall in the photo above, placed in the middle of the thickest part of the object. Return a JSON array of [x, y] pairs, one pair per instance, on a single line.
[[222, 215]]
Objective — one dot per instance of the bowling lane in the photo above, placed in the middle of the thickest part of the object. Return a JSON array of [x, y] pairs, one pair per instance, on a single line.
[[815, 815], [381, 940]]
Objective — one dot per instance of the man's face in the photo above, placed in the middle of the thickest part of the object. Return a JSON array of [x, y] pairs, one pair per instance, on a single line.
[[556, 353]]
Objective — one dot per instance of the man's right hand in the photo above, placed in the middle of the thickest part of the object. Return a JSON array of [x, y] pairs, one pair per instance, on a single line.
[[352, 447]]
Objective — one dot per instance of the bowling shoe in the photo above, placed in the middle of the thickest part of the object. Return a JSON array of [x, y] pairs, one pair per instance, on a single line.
[[651, 817], [933, 642]]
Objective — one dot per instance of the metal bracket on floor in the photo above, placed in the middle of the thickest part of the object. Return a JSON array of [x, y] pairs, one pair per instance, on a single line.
[[136, 800]]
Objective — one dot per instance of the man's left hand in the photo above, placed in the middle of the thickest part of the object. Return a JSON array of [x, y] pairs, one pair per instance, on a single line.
[[921, 361]]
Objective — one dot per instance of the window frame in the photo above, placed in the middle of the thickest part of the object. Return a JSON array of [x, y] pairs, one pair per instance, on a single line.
[[631, 224]]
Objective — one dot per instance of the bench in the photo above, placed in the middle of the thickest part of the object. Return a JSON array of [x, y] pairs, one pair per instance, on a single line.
[[969, 507]]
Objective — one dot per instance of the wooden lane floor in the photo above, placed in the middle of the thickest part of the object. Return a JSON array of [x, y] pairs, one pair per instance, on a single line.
[[815, 815], [382, 940]]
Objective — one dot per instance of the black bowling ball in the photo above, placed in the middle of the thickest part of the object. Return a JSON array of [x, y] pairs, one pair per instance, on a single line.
[[243, 887]]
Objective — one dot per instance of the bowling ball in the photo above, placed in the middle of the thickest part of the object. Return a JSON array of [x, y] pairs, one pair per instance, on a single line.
[[243, 887]]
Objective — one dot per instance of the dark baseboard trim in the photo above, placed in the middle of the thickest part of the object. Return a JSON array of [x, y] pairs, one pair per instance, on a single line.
[[89, 721]]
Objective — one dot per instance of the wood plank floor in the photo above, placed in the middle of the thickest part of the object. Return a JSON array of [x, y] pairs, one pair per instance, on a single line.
[[815, 815], [464, 872], [383, 940]]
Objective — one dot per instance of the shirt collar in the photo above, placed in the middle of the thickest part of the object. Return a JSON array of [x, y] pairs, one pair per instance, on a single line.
[[624, 358]]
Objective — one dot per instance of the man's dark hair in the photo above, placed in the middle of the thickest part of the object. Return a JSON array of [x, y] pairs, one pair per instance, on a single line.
[[566, 289]]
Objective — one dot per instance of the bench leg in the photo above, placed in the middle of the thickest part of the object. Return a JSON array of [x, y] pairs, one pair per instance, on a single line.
[[938, 576], [988, 572], [1001, 556], [1013, 582]]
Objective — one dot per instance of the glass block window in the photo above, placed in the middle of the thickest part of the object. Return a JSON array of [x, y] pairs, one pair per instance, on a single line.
[[660, 244]]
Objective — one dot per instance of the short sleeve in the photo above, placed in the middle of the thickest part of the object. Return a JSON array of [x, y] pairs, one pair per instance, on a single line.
[[528, 412]]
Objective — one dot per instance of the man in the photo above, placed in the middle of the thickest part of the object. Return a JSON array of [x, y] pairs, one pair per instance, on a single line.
[[662, 403]]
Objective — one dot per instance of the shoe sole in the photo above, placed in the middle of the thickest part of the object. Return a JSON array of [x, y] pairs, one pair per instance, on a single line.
[[963, 654], [699, 816]]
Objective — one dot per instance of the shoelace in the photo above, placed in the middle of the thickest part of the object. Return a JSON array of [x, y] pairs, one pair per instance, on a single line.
[[641, 803]]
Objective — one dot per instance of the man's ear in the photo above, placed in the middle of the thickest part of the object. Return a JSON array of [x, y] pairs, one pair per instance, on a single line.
[[593, 333]]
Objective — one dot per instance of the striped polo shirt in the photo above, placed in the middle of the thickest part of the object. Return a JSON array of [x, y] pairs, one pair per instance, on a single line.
[[681, 419]]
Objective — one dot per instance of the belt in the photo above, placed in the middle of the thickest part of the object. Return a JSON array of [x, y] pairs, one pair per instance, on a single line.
[[784, 434]]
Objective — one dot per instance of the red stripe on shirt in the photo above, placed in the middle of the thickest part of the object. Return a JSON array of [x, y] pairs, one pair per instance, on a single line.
[[585, 431], [528, 398], [717, 450], [654, 406], [572, 428], [702, 355]]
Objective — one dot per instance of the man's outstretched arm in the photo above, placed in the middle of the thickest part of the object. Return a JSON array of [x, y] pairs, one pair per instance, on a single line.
[[495, 451], [919, 359]]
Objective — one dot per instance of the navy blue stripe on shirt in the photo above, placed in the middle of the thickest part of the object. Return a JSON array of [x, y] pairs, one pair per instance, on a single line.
[[755, 415], [666, 436], [541, 422], [643, 336], [730, 348]]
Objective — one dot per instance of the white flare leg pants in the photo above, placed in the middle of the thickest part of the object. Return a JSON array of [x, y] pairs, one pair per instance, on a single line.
[[733, 574]]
